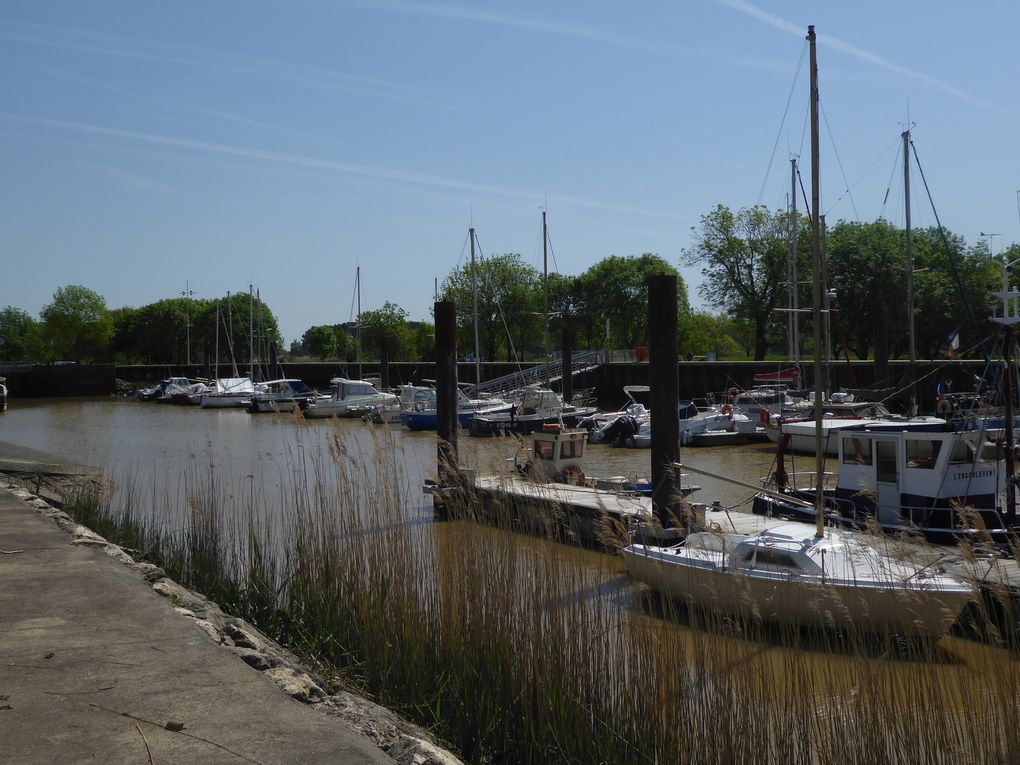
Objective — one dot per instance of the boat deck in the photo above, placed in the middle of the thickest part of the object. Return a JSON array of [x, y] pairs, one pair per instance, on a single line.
[[580, 498]]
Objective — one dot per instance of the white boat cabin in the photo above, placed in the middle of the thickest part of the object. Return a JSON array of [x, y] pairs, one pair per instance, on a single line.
[[556, 454], [344, 389], [917, 469]]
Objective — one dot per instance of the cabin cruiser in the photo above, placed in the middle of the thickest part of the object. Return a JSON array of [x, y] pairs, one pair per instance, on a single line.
[[539, 406], [905, 477], [751, 402], [700, 425], [421, 413], [349, 398], [3, 394], [283, 395], [838, 412], [166, 390]]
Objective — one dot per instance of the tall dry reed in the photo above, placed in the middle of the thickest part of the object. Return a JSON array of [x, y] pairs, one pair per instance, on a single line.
[[515, 649]]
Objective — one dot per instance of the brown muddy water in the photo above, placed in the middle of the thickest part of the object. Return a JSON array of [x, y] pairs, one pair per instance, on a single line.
[[162, 443]]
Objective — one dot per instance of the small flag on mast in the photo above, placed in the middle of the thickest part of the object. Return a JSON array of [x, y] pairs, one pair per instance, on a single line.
[[954, 342]]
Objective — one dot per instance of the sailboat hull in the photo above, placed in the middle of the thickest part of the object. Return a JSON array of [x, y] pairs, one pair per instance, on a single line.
[[892, 608]]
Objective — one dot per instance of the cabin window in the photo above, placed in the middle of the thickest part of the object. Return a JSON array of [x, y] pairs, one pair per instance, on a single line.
[[772, 558], [963, 453], [572, 449], [923, 453], [544, 450], [856, 451]]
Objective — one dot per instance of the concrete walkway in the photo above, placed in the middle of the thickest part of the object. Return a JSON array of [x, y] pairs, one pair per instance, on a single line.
[[85, 640]]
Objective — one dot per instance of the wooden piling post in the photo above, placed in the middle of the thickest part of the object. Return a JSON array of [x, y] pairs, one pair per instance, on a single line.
[[446, 393], [664, 377]]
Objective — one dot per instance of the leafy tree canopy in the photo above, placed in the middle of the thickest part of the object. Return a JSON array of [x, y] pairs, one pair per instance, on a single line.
[[744, 258], [19, 335], [76, 325], [616, 289], [509, 302]]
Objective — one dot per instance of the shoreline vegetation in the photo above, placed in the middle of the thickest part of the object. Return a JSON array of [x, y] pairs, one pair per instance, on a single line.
[[510, 651]]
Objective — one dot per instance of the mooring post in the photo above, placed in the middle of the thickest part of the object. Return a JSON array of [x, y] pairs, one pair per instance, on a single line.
[[446, 393], [664, 378], [567, 373]]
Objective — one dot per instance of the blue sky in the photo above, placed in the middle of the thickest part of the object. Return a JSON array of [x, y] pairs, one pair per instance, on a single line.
[[146, 145]]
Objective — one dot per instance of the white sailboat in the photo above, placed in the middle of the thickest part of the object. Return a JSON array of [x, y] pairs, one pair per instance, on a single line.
[[836, 578]]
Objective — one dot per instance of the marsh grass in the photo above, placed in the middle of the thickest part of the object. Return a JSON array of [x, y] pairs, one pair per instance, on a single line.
[[514, 649]]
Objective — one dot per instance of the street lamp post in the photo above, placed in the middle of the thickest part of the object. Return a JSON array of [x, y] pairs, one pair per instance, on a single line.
[[187, 312], [991, 241]]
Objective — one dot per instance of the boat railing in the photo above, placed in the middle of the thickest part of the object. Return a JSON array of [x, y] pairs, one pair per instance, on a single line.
[[542, 373], [805, 480]]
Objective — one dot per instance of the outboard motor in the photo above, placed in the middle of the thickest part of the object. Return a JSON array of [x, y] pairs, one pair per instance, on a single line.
[[619, 430]]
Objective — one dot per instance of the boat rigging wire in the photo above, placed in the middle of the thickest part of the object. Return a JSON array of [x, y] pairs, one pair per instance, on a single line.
[[779, 134], [839, 162], [463, 248], [892, 174], [952, 260], [502, 316]]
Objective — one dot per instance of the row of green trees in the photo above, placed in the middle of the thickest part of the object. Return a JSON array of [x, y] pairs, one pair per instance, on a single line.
[[607, 306], [744, 258], [77, 326]]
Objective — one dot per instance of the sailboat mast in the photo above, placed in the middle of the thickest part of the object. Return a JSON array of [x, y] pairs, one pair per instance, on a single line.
[[251, 331], [910, 271], [357, 289], [816, 256], [474, 298], [545, 287], [216, 365], [793, 303]]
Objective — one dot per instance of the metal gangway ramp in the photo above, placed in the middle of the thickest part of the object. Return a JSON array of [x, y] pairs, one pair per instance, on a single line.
[[580, 361]]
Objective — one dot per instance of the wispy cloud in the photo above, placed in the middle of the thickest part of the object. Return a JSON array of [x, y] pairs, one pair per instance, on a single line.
[[552, 26], [297, 160], [852, 50], [73, 79], [133, 179], [159, 52]]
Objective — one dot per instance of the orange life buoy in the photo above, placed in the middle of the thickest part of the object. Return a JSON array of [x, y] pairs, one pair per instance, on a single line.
[[573, 475]]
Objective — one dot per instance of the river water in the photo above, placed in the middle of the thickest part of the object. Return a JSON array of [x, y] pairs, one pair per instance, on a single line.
[[108, 431], [144, 439]]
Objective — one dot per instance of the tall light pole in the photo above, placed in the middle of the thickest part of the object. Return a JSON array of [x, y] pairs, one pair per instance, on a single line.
[[187, 312], [991, 241]]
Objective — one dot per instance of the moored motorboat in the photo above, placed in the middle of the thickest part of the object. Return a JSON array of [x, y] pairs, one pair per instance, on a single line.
[[349, 398], [702, 425], [945, 485], [539, 406], [283, 395], [421, 413]]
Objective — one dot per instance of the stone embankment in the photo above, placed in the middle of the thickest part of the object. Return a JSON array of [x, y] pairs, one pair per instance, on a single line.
[[93, 664]]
